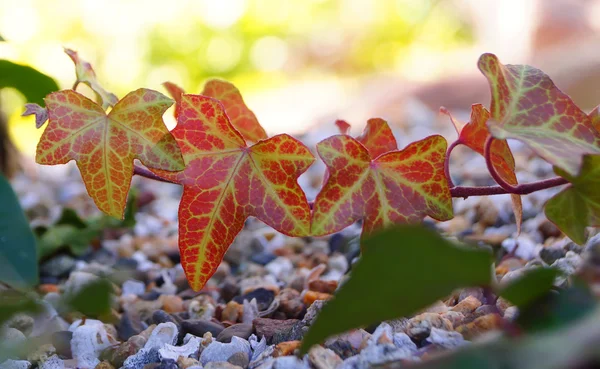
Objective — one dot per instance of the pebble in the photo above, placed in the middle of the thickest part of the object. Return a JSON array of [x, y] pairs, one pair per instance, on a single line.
[[419, 327], [167, 364], [286, 348], [280, 267], [171, 303], [15, 364], [264, 297], [88, 341], [162, 334], [117, 355], [62, 343], [221, 365], [446, 339], [284, 362], [187, 362], [129, 325], [290, 303], [199, 327], [133, 287], [238, 330], [41, 353], [22, 322], [479, 326], [53, 362], [174, 352], [467, 305], [250, 284], [322, 286], [240, 359], [104, 365], [218, 351], [312, 296], [322, 358], [269, 328], [232, 312]]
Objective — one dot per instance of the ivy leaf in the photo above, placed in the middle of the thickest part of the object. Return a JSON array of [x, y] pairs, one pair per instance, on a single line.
[[242, 118], [28, 81], [104, 146], [578, 205], [527, 106], [225, 182], [343, 126], [473, 135], [41, 114], [396, 187], [382, 284], [378, 137], [531, 286], [595, 117], [85, 74]]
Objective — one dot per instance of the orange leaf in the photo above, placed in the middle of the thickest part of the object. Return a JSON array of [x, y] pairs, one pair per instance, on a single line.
[[104, 146], [85, 74], [474, 134], [395, 187], [225, 182]]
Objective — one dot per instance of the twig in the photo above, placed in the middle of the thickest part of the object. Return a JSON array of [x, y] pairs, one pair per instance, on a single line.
[[143, 172]]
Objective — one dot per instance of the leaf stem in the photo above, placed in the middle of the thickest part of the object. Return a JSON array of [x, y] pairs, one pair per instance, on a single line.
[[487, 153], [521, 189], [143, 172], [447, 162]]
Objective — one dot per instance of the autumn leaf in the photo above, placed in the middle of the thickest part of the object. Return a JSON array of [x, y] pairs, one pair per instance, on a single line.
[[85, 74], [395, 187], [527, 106], [225, 182], [41, 114], [175, 92], [104, 146], [242, 118], [595, 117], [343, 126], [578, 205], [473, 135]]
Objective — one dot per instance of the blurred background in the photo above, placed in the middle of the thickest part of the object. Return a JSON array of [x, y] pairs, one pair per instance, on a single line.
[[305, 63]]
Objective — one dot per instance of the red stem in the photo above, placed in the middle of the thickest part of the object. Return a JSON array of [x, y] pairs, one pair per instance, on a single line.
[[143, 172], [521, 189], [487, 153], [447, 162]]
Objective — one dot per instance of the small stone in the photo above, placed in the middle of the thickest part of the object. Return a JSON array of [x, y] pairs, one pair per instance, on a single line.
[[22, 322], [322, 286], [479, 326], [77, 281], [171, 303], [129, 325], [322, 358], [239, 330], [511, 313], [264, 297], [62, 343], [12, 337], [502, 304], [250, 284], [126, 349], [338, 262], [419, 327], [88, 341], [164, 333], [58, 266], [550, 254], [199, 327], [290, 303], [221, 365], [348, 344], [15, 364], [476, 292], [186, 362], [133, 287], [232, 312], [454, 317], [41, 353], [218, 351], [568, 266], [202, 307], [104, 365], [173, 352], [240, 359], [446, 339], [263, 258], [167, 364], [47, 288], [53, 362], [467, 306], [312, 296], [268, 328], [145, 309], [286, 348], [251, 311], [280, 267]]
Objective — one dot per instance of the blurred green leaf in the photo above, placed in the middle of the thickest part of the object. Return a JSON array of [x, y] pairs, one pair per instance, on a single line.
[[70, 217], [13, 302], [532, 285], [17, 242], [65, 235], [402, 270], [2, 38], [31, 83], [93, 299], [556, 309]]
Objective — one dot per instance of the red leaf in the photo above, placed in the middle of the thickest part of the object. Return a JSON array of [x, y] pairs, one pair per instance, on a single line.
[[527, 106], [242, 118], [85, 74], [225, 182], [378, 137], [396, 187], [343, 126], [473, 135], [104, 146], [175, 92]]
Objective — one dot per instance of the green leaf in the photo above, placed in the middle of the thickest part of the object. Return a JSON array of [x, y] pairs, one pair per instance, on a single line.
[[2, 38], [17, 242], [532, 285], [402, 270], [556, 309], [577, 206], [61, 235], [31, 83], [70, 217], [13, 302], [93, 299]]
